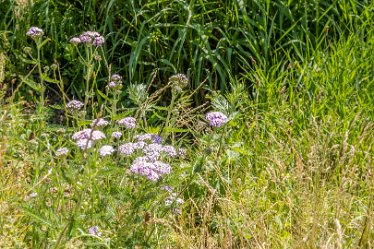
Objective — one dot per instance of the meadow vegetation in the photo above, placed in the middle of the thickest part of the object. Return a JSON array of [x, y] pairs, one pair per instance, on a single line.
[[186, 124]]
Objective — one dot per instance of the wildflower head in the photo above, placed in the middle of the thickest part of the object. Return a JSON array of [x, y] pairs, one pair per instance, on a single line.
[[98, 41], [112, 85], [142, 167], [172, 200], [88, 134], [74, 105], [128, 122], [162, 168], [115, 82], [139, 145], [75, 40], [84, 143], [116, 135], [169, 150], [54, 66], [144, 137], [94, 231], [182, 152], [126, 149], [100, 122], [157, 139], [35, 32], [106, 150], [179, 81], [27, 50], [92, 37], [152, 151], [61, 152], [116, 77], [88, 36], [216, 119], [152, 170]]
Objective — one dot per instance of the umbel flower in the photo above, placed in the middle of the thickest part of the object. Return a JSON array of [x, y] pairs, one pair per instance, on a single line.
[[84, 143], [106, 150], [35, 32], [94, 231], [88, 134], [113, 84], [75, 40], [98, 41], [74, 105], [91, 37], [169, 150], [85, 138], [116, 77], [128, 122], [152, 170], [61, 152], [153, 151], [116, 134], [144, 137], [216, 119], [100, 122], [126, 149]]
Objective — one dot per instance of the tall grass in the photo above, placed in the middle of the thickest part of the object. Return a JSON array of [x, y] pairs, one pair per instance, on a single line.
[[204, 39]]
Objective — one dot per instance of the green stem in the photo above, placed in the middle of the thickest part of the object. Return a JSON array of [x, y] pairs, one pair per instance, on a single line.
[[40, 73], [88, 75], [170, 110]]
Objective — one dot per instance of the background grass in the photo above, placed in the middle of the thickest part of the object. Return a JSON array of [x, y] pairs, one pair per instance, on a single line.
[[292, 169], [219, 40]]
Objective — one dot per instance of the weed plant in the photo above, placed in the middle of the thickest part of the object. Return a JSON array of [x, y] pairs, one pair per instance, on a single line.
[[264, 142]]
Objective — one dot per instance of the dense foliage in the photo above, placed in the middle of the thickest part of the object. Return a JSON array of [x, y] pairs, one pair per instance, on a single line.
[[222, 41]]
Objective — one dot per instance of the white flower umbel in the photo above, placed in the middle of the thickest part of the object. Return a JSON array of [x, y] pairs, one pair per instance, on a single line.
[[106, 150]]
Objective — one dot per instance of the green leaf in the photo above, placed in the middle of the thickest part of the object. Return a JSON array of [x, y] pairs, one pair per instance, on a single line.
[[57, 107], [35, 216], [171, 129], [102, 95], [36, 86], [50, 80]]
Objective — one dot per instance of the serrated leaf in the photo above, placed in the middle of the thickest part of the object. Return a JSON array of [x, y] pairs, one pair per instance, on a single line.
[[35, 216]]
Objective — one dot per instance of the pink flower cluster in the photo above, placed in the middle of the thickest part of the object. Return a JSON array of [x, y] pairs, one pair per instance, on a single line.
[[115, 81], [153, 170], [99, 122], [149, 145], [85, 138], [35, 32], [89, 37], [216, 119], [128, 122], [74, 105]]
